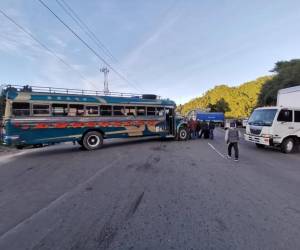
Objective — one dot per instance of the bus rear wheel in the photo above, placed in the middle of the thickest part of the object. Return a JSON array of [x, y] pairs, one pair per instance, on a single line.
[[92, 140]]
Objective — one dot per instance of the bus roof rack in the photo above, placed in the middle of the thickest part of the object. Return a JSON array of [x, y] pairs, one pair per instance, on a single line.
[[68, 91]]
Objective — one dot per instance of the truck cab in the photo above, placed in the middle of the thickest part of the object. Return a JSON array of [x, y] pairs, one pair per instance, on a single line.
[[274, 126]]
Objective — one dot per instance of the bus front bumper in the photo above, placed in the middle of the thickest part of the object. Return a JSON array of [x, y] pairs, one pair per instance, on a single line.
[[11, 140], [259, 139]]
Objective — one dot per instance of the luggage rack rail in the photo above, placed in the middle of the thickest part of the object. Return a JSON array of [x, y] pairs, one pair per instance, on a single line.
[[55, 90]]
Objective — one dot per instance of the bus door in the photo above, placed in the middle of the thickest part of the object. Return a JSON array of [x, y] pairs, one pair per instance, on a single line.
[[170, 121]]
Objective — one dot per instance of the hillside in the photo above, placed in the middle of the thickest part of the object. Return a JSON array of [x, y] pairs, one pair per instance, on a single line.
[[239, 101]]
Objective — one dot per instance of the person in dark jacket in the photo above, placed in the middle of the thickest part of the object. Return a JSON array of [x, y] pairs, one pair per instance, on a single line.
[[232, 137], [204, 129], [211, 128]]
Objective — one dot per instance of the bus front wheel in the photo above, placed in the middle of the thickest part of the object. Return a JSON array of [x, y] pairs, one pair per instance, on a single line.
[[92, 140], [183, 134]]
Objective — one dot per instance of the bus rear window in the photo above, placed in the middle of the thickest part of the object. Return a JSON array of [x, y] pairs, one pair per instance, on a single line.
[[105, 110], [59, 109], [40, 109], [21, 109]]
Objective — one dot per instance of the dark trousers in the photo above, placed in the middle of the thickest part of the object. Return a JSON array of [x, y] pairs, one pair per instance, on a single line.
[[236, 149]]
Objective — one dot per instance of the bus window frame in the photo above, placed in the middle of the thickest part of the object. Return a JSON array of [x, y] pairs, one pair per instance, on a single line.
[[12, 109], [155, 109], [76, 115], [107, 105], [93, 115], [65, 114], [145, 110], [122, 107], [49, 109]]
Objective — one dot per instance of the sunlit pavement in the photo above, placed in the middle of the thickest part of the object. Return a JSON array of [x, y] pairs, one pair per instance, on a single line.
[[150, 194]]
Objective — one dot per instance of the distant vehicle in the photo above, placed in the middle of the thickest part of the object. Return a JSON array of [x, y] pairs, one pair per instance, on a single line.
[[217, 117], [277, 126], [42, 115]]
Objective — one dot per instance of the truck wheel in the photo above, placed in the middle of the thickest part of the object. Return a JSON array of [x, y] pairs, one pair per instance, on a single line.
[[288, 145], [260, 145], [183, 134], [92, 140]]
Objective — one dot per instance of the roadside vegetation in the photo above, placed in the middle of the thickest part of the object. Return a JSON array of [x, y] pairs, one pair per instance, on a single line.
[[239, 101]]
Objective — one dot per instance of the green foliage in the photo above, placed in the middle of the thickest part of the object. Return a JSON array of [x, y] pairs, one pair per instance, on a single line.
[[287, 75], [220, 106], [234, 101]]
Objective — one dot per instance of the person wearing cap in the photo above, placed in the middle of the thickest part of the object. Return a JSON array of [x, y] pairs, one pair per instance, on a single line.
[[232, 137]]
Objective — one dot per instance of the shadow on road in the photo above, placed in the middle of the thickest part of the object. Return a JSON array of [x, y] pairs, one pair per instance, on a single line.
[[71, 149]]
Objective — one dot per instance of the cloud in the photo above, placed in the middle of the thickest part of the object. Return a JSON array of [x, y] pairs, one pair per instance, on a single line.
[[169, 19]]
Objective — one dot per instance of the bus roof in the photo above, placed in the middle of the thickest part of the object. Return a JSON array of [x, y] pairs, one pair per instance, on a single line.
[[49, 94]]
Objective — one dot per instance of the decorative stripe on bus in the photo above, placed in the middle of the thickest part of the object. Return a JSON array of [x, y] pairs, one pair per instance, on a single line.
[[47, 125]]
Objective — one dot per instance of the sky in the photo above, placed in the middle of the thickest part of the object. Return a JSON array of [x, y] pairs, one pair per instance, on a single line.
[[177, 49]]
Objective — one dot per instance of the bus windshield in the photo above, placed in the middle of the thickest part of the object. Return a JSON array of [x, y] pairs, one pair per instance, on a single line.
[[262, 117]]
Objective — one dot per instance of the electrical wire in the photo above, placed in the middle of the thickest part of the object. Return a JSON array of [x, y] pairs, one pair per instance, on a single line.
[[88, 46], [44, 46], [75, 17]]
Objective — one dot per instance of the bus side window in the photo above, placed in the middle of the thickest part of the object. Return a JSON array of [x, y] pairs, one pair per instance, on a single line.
[[160, 111], [119, 111], [285, 115], [130, 111], [41, 109], [21, 109], [141, 111], [76, 110], [91, 110], [151, 111], [105, 110], [59, 109]]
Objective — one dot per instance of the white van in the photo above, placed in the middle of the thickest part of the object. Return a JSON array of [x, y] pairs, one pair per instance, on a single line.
[[278, 125]]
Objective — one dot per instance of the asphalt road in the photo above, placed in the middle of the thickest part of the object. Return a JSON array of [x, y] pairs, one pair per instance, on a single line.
[[150, 194]]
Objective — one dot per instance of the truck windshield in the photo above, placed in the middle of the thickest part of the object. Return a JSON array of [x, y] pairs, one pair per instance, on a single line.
[[262, 117]]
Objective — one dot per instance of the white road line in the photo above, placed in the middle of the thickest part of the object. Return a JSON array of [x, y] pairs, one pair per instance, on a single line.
[[219, 153]]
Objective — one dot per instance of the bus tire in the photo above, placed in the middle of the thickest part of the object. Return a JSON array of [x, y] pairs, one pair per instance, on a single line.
[[183, 134], [92, 140], [288, 145], [260, 145]]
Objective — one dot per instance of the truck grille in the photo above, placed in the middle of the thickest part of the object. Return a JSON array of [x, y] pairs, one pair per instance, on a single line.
[[255, 131]]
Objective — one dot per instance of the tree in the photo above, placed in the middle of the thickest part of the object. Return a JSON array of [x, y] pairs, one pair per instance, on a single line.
[[287, 74], [234, 101], [220, 106]]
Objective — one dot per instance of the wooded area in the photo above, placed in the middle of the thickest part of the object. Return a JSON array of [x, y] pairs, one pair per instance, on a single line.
[[238, 102]]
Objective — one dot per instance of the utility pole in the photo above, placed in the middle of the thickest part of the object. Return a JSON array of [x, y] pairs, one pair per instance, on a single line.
[[105, 71]]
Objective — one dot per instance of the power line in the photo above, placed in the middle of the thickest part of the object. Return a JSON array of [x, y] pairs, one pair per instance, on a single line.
[[43, 45], [67, 8], [88, 46]]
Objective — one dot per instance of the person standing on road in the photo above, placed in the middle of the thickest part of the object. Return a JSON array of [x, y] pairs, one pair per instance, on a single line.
[[204, 128], [211, 127], [232, 137]]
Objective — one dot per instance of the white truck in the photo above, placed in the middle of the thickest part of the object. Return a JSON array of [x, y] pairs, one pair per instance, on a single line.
[[277, 126]]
